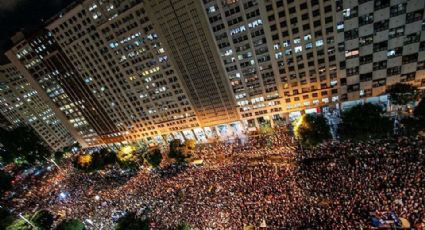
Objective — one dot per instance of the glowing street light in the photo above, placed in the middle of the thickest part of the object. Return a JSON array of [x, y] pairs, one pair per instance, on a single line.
[[63, 195]]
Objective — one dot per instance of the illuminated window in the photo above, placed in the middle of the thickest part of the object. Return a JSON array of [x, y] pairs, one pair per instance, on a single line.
[[298, 49]]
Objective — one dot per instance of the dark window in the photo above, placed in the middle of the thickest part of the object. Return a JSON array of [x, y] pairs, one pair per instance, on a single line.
[[366, 19], [380, 4], [398, 9], [380, 26], [414, 16], [410, 58]]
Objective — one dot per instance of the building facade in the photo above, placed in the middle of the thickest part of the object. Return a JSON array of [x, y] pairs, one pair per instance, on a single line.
[[153, 70], [185, 33], [114, 48], [22, 105], [380, 43]]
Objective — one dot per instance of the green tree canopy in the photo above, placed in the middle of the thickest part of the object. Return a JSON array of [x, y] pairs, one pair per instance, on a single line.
[[103, 158], [5, 181], [176, 151], [363, 121], [43, 219], [6, 218], [153, 157], [311, 129], [131, 222], [402, 93], [183, 227], [24, 142], [175, 144], [19, 224], [70, 224], [58, 156]]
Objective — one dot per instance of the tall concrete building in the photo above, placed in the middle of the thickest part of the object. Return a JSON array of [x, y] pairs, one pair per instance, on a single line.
[[243, 43], [32, 57], [279, 55], [315, 54], [126, 71], [379, 43], [113, 47], [22, 105], [184, 30]]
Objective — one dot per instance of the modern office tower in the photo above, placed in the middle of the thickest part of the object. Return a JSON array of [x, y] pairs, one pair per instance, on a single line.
[[112, 46], [244, 45], [303, 39], [22, 105], [30, 56], [184, 32], [379, 43], [115, 72], [279, 56]]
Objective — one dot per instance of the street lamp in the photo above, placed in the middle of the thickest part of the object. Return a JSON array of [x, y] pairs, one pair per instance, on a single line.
[[54, 162], [27, 221]]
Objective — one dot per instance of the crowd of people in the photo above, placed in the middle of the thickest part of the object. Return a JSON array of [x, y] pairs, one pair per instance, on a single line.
[[334, 186]]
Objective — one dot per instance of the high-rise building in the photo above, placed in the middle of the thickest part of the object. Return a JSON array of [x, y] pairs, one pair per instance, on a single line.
[[185, 34], [112, 46], [22, 105], [245, 46], [379, 43], [279, 55], [124, 71], [31, 57]]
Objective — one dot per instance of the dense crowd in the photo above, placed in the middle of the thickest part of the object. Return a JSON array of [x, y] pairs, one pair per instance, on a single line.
[[334, 186]]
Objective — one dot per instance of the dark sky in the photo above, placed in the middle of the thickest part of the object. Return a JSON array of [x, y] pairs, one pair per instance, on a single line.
[[18, 14]]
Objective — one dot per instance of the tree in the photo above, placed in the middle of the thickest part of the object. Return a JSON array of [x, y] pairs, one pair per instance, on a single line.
[[6, 157], [5, 181], [311, 129], [183, 227], [265, 132], [153, 157], [84, 161], [24, 142], [131, 222], [363, 121], [43, 219], [190, 144], [266, 129], [58, 156], [175, 145], [127, 157], [6, 218], [126, 153], [419, 111], [402, 93], [176, 151], [19, 224], [103, 158], [70, 224]]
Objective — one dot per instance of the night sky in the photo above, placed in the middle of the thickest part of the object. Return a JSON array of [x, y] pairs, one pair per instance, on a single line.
[[16, 15]]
